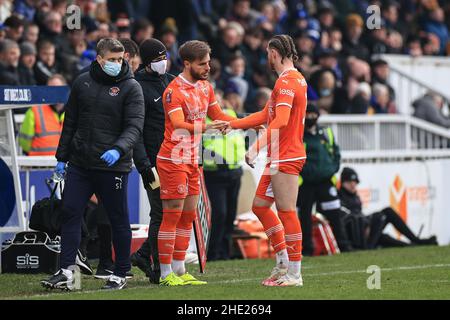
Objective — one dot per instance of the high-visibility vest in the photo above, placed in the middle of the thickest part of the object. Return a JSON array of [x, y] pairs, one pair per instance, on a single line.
[[223, 151], [48, 128]]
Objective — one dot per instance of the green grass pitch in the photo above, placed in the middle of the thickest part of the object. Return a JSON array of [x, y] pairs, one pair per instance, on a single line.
[[406, 273]]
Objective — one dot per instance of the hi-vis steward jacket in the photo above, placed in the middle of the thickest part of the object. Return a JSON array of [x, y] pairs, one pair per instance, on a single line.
[[223, 152], [40, 131]]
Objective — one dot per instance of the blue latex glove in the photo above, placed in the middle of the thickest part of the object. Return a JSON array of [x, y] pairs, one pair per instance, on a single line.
[[60, 168], [59, 172], [110, 157]]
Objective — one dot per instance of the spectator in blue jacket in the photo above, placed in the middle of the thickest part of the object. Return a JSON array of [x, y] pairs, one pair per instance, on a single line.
[[436, 24], [25, 9]]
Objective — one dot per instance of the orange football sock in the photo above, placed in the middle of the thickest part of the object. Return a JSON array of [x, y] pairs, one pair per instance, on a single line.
[[183, 234], [166, 235], [272, 226], [293, 235]]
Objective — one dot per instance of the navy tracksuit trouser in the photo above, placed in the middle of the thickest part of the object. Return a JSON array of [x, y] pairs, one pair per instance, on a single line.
[[111, 189]]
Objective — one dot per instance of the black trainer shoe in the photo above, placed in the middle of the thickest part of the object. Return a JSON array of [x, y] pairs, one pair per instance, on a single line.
[[59, 281], [141, 262], [428, 241], [115, 283], [82, 262], [103, 273]]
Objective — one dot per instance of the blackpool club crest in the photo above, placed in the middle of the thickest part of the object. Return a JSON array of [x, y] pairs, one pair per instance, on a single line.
[[114, 91], [205, 91]]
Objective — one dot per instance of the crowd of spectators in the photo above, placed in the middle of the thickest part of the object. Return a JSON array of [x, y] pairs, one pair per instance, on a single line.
[[334, 43]]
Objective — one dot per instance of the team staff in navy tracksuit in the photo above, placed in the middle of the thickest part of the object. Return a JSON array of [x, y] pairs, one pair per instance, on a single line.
[[104, 119]]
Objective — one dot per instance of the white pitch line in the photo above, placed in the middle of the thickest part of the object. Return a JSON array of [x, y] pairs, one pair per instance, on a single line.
[[349, 272], [57, 292], [383, 269], [428, 266]]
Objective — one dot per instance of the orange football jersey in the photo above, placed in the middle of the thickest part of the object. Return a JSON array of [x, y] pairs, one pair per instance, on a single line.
[[194, 100], [290, 90]]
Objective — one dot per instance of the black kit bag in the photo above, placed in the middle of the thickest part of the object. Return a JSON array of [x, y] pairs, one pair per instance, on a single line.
[[31, 252], [46, 214]]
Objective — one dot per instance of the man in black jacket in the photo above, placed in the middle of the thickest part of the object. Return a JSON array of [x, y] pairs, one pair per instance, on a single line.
[[366, 231], [103, 121], [105, 265], [153, 80], [317, 182]]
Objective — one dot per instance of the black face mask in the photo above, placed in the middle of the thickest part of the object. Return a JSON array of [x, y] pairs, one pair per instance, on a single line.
[[310, 122]]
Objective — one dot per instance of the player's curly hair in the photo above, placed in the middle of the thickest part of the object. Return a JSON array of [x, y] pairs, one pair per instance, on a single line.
[[285, 46]]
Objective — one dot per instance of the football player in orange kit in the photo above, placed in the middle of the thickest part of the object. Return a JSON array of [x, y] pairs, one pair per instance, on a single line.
[[284, 114], [187, 101]]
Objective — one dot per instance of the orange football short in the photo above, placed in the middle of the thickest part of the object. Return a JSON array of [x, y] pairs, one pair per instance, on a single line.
[[177, 180], [264, 190]]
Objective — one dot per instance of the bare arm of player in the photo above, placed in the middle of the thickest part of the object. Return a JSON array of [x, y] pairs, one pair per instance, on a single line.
[[178, 122], [216, 113], [282, 114], [251, 121]]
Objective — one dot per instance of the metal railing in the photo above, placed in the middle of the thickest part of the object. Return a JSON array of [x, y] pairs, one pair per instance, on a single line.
[[383, 136], [408, 89], [388, 137]]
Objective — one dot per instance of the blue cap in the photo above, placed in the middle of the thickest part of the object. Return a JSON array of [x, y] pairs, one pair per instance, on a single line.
[[302, 14], [231, 87], [313, 34], [89, 55], [313, 24]]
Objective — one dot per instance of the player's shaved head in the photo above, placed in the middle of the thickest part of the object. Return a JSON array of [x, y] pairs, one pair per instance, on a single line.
[[194, 50]]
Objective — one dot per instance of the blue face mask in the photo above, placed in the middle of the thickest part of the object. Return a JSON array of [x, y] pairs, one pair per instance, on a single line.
[[325, 92], [112, 68]]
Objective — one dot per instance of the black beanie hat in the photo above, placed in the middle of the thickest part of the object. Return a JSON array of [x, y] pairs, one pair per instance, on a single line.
[[151, 49], [348, 174]]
